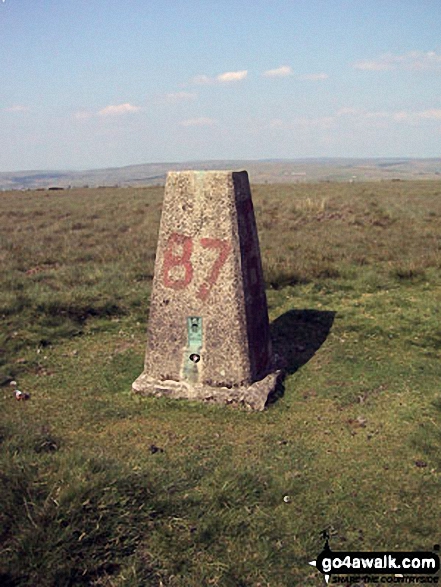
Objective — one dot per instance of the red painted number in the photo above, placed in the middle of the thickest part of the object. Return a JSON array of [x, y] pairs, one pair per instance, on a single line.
[[177, 254], [223, 248]]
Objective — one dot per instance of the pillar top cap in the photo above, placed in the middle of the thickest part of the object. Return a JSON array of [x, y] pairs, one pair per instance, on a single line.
[[207, 172]]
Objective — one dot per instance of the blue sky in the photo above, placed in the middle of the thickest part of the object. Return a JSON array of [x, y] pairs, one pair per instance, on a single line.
[[100, 83]]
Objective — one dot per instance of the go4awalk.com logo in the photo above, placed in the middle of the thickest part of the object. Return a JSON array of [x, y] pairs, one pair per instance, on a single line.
[[406, 567]]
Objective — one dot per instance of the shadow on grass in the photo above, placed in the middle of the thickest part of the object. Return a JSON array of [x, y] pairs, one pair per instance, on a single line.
[[296, 336]]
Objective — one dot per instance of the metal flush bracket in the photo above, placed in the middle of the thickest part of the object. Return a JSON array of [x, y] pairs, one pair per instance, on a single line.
[[192, 354]]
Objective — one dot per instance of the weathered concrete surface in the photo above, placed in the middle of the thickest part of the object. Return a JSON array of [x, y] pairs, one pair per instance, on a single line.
[[208, 331]]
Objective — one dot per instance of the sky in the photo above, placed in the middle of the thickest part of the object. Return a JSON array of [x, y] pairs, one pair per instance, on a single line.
[[86, 84]]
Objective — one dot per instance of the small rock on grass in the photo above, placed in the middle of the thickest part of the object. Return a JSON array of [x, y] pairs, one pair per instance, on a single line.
[[21, 395]]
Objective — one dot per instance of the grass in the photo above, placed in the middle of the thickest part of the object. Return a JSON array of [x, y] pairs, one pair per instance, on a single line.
[[101, 488]]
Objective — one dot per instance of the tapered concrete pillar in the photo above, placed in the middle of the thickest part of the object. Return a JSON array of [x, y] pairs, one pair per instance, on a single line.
[[208, 330]]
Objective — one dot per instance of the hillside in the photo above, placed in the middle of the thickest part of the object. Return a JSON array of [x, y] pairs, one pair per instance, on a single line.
[[261, 171]]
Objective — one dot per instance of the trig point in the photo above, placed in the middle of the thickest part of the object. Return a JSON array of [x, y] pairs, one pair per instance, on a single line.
[[208, 330]]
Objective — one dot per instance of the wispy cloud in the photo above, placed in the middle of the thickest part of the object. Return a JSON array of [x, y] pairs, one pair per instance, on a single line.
[[282, 71], [17, 108], [276, 123], [202, 80], [411, 61], [415, 116], [361, 116], [358, 118], [107, 111], [202, 121], [118, 109], [83, 115], [321, 122], [347, 111], [181, 96], [235, 76], [403, 116], [433, 113], [313, 77], [373, 65], [222, 78]]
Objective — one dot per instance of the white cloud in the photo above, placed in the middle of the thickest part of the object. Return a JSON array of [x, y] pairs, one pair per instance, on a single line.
[[232, 76], [222, 78], [17, 108], [180, 96], [118, 109], [411, 61], [314, 77], [202, 121], [283, 71]]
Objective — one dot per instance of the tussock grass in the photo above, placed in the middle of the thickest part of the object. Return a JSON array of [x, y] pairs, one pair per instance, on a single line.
[[325, 230], [101, 488], [70, 257]]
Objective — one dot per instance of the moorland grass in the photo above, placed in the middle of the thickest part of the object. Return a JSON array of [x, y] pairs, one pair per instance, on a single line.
[[98, 487]]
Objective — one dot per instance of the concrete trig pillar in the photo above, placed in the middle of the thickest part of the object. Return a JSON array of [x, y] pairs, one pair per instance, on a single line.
[[208, 329]]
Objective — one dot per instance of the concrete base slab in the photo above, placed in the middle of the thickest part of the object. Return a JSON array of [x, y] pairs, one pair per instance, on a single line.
[[253, 397]]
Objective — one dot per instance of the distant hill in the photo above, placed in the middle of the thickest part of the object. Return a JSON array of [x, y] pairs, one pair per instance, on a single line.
[[261, 171]]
